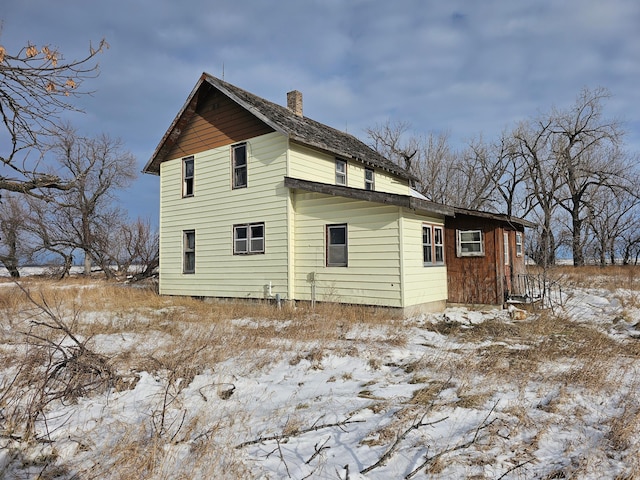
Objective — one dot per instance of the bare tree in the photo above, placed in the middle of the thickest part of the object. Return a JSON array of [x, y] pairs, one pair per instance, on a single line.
[[543, 179], [587, 149], [629, 240], [390, 140], [84, 216], [611, 215], [36, 85], [16, 245], [124, 245], [143, 247], [435, 167], [443, 175]]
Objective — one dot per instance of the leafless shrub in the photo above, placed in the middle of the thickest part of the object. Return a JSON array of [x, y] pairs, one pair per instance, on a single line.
[[57, 366]]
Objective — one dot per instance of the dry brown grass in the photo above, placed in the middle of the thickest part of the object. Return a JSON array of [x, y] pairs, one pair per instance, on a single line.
[[198, 333], [610, 276]]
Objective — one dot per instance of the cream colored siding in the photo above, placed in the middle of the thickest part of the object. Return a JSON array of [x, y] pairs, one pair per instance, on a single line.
[[421, 284], [309, 164], [212, 212], [373, 273]]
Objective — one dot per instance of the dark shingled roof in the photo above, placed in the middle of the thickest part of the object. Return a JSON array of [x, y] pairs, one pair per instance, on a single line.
[[299, 129], [494, 216]]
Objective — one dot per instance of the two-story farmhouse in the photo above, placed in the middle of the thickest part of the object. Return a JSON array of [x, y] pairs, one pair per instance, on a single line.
[[257, 200]]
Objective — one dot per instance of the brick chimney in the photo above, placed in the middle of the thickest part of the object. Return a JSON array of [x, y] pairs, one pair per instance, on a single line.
[[294, 102]]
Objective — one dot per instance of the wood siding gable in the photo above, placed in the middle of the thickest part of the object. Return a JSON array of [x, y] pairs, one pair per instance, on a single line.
[[215, 122]]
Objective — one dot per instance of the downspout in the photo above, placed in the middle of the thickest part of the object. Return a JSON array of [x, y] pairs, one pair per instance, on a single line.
[[290, 220]]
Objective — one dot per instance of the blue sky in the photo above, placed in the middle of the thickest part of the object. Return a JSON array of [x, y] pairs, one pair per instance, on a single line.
[[469, 68]]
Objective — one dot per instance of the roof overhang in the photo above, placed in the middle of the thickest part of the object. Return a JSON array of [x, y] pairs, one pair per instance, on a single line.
[[417, 204], [495, 216]]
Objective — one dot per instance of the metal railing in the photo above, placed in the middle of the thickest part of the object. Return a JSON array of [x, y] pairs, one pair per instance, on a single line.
[[536, 289]]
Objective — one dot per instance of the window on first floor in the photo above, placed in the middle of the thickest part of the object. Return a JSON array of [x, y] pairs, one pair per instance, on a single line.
[[337, 249], [187, 176], [470, 243], [519, 246], [341, 172], [432, 245], [248, 239], [369, 179], [239, 165], [189, 251]]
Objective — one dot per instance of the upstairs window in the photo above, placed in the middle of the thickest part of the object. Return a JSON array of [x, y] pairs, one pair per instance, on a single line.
[[470, 243], [519, 246], [239, 165], [248, 239], [432, 245], [341, 172], [189, 251], [187, 177], [369, 179], [337, 251]]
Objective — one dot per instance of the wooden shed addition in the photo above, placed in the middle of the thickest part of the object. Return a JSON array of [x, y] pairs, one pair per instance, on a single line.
[[485, 256]]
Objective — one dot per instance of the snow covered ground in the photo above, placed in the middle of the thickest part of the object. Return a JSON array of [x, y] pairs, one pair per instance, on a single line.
[[458, 394]]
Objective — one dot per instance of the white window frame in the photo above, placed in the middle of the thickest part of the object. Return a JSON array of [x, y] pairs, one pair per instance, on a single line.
[[341, 172], [461, 251], [433, 246], [369, 179], [438, 245], [188, 250], [251, 243], [188, 181], [427, 245], [333, 247], [237, 170], [519, 244]]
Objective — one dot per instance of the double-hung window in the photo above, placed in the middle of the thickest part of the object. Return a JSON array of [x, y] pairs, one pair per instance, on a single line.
[[239, 165], [341, 172], [337, 250], [248, 239], [187, 176], [189, 251], [432, 245], [369, 179], [470, 243]]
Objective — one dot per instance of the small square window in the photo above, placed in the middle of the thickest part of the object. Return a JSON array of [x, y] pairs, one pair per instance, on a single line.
[[239, 161], [341, 172], [248, 239], [369, 179], [470, 243], [189, 250], [187, 177], [337, 251]]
